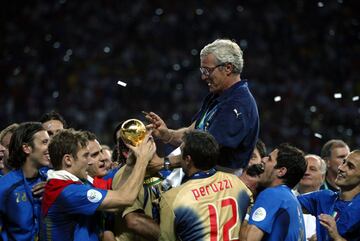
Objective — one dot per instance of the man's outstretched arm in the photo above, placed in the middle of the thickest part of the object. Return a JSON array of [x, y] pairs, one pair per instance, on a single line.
[[142, 225], [253, 233], [126, 194]]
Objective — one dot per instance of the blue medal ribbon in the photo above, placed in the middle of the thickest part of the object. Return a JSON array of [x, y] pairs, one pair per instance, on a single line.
[[35, 203], [208, 115]]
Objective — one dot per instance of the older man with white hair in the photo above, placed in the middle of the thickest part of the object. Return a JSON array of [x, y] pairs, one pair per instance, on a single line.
[[229, 112], [313, 179], [314, 176]]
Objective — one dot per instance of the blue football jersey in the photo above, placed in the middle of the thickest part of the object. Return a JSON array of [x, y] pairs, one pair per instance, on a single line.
[[70, 215], [278, 214], [346, 213], [19, 209]]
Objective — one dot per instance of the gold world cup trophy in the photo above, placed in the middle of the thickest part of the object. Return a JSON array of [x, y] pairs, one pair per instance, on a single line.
[[133, 132]]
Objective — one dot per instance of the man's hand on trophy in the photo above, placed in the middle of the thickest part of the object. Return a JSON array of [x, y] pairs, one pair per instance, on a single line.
[[160, 130], [146, 149]]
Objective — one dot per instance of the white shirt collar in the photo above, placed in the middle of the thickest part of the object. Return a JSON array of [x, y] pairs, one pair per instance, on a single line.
[[62, 175]]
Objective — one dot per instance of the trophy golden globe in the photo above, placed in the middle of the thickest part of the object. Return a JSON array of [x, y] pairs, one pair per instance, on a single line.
[[133, 132]]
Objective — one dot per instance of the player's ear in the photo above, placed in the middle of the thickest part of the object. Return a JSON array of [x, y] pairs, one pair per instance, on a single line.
[[188, 160], [228, 68], [67, 160], [281, 171], [26, 148]]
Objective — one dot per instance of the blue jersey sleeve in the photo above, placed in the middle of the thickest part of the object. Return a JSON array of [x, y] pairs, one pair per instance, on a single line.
[[308, 202], [81, 199], [264, 211]]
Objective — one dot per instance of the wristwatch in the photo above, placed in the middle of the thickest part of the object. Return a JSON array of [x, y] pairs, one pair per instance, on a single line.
[[166, 163]]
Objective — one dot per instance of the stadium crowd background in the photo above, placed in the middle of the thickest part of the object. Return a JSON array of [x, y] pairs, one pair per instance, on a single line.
[[69, 55]]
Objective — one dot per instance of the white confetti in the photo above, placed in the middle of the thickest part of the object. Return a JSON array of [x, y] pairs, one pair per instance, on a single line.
[[107, 49], [337, 95], [199, 11], [121, 83], [277, 98], [55, 94], [318, 135], [355, 98]]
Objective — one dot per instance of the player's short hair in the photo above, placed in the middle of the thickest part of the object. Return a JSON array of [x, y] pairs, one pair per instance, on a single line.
[[260, 146], [89, 135], [356, 153], [53, 115], [67, 141], [9, 129], [293, 159], [202, 147]]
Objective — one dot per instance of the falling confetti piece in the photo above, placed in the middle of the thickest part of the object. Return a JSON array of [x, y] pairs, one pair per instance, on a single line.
[[121, 83], [277, 98], [337, 95], [318, 135], [313, 108]]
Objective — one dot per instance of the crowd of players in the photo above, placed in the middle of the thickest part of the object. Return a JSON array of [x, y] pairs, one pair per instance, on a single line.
[[139, 215], [218, 184]]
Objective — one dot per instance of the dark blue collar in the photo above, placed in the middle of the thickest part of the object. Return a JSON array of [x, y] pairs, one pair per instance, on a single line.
[[229, 92], [200, 175]]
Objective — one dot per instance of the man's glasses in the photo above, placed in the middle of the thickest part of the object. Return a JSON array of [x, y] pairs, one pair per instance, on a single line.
[[206, 71]]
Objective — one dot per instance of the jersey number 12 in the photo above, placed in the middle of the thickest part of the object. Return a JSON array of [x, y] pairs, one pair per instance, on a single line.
[[214, 225]]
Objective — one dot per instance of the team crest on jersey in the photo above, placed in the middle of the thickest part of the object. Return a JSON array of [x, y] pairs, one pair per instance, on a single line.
[[259, 214], [94, 196]]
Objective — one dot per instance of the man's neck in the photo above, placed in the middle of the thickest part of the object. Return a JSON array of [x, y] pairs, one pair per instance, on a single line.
[[193, 171], [232, 80], [330, 178], [5, 170], [30, 169], [348, 195], [277, 182], [250, 182]]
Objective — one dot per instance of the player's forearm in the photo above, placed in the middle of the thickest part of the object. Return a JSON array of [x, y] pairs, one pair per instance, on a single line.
[[132, 185], [253, 233], [340, 239], [124, 172], [108, 236], [175, 161], [124, 176], [337, 237], [126, 194], [175, 136], [243, 230], [143, 225], [157, 164]]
